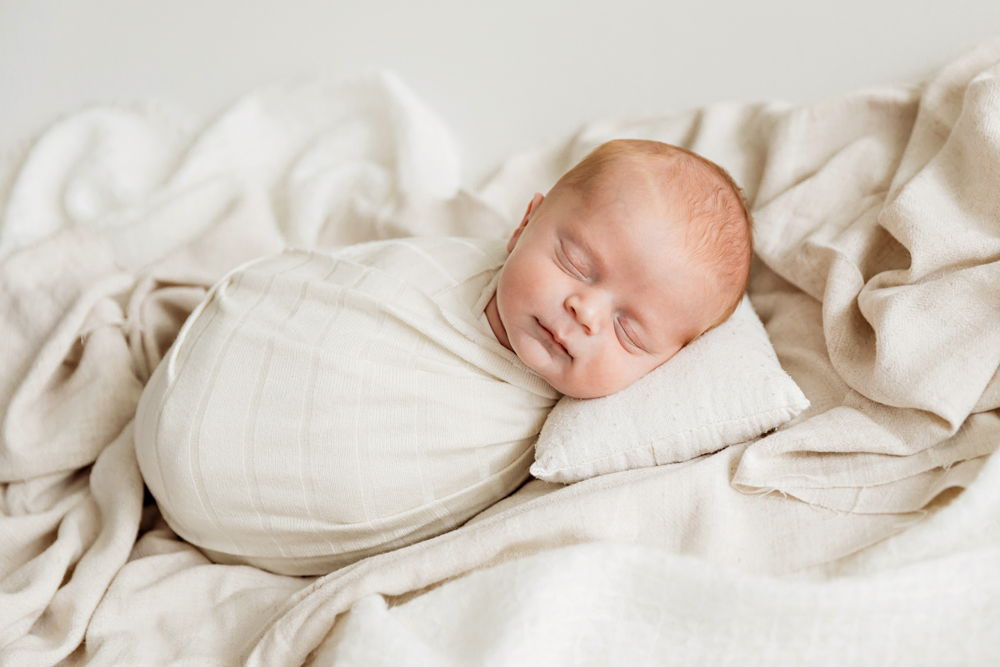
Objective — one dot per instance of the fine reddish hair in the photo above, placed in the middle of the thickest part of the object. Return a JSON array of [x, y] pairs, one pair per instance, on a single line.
[[719, 231]]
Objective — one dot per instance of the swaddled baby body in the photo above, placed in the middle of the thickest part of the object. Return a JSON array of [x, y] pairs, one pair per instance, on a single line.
[[318, 408]]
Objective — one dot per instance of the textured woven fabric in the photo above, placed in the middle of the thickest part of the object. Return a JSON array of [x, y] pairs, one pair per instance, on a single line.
[[321, 407], [888, 194]]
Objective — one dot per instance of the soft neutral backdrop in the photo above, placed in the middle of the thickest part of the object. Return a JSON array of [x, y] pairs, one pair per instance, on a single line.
[[505, 76]]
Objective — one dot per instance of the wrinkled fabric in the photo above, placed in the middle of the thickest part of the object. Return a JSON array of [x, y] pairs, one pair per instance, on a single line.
[[875, 278], [321, 407]]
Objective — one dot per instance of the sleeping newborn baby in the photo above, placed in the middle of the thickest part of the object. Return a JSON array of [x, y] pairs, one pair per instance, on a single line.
[[321, 407]]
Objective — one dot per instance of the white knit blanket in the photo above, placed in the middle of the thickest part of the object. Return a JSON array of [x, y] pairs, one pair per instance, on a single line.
[[844, 539]]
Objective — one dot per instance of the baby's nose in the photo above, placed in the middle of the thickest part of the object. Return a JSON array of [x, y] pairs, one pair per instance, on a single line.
[[588, 310]]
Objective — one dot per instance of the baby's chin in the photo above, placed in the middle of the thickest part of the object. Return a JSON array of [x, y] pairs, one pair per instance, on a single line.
[[534, 355], [584, 387]]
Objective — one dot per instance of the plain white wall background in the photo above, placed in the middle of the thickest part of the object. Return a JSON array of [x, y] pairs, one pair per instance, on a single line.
[[505, 76]]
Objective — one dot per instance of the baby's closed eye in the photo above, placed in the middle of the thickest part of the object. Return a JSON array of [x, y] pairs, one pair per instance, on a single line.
[[567, 265], [573, 265], [627, 335]]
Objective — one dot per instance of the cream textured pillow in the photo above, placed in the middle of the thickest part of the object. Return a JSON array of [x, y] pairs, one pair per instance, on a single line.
[[725, 388]]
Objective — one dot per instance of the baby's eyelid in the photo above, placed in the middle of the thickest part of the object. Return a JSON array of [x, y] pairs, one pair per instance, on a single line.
[[568, 263], [629, 336]]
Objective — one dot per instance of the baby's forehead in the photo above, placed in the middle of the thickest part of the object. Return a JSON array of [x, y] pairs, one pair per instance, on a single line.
[[669, 184], [634, 245]]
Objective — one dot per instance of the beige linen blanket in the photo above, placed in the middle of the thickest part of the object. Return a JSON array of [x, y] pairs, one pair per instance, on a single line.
[[321, 407], [845, 538]]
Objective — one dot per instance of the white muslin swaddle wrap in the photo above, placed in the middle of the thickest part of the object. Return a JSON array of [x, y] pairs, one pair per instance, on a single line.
[[318, 408]]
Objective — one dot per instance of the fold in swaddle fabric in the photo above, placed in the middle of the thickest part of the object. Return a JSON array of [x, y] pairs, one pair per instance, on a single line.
[[321, 407]]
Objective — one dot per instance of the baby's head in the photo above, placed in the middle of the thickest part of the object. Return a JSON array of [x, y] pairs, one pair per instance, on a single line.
[[634, 253]]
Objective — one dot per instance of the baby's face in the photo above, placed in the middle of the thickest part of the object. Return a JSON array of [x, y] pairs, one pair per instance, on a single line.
[[595, 294]]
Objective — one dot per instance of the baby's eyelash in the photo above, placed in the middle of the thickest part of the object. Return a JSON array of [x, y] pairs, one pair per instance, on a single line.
[[627, 335], [568, 263]]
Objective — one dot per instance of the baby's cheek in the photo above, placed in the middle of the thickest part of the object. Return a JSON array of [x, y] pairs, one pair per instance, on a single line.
[[612, 376], [537, 358], [534, 355]]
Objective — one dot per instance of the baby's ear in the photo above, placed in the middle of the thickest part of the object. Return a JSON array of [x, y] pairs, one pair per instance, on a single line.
[[533, 205]]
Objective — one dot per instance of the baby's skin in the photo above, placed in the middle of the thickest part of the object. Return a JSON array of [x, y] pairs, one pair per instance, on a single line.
[[603, 286]]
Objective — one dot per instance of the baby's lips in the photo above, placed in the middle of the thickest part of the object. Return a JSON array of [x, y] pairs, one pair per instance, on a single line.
[[560, 341], [557, 339]]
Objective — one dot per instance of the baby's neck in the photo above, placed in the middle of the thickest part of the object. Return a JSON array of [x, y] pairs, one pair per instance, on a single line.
[[493, 317]]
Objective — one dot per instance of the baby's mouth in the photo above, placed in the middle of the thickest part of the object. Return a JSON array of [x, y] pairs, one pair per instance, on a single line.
[[551, 336]]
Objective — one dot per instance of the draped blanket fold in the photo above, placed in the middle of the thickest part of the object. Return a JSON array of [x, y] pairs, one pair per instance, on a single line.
[[865, 531]]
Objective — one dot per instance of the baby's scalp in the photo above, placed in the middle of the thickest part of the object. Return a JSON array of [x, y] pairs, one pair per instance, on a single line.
[[718, 225]]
